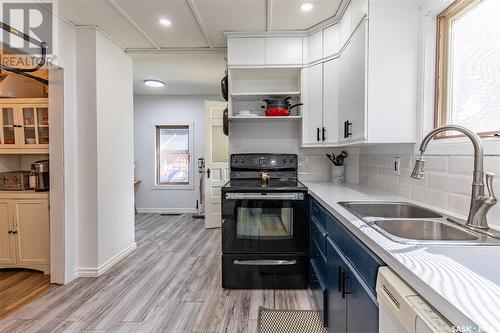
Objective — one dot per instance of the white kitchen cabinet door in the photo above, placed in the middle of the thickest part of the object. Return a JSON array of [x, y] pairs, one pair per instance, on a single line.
[[331, 102], [314, 47], [283, 51], [344, 92], [312, 97], [7, 250], [352, 96], [359, 8], [331, 41], [243, 51], [345, 27], [32, 229]]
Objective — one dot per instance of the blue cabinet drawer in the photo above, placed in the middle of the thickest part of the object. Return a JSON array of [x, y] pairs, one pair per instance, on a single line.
[[318, 213], [319, 258], [319, 291], [361, 257], [318, 235]]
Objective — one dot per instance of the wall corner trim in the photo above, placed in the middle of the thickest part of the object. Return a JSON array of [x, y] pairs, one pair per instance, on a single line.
[[96, 272]]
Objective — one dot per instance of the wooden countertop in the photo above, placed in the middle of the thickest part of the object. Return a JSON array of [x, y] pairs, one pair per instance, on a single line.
[[23, 195]]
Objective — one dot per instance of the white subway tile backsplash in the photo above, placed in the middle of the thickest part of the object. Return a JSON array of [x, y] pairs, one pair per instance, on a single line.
[[431, 197], [450, 183], [447, 181], [458, 204]]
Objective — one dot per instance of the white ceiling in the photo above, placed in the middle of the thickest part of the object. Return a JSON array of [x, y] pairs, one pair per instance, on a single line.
[[184, 74], [196, 25]]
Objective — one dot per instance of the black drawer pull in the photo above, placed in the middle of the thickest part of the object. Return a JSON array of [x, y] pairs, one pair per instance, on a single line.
[[339, 274]]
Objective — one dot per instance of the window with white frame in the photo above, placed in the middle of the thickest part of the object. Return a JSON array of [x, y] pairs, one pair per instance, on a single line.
[[468, 66], [172, 155]]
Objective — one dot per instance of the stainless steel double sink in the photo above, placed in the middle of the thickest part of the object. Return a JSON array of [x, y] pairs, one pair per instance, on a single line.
[[407, 223]]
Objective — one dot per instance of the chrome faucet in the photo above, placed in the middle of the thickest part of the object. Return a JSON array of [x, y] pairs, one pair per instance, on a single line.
[[480, 203]]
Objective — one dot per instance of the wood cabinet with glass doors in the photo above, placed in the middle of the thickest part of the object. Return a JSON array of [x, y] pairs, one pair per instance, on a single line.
[[24, 126], [25, 231]]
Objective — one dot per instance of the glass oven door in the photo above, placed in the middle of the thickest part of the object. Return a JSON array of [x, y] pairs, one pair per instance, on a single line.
[[263, 222]]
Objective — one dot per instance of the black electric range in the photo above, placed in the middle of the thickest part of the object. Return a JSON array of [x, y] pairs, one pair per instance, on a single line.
[[264, 224]]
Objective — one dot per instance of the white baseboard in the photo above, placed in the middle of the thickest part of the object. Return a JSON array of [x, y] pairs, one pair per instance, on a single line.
[[166, 210], [96, 272]]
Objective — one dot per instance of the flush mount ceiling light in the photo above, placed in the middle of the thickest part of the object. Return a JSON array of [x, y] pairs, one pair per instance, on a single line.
[[306, 6], [165, 22], [154, 83]]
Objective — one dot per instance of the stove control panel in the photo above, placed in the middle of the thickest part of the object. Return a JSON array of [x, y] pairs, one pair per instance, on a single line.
[[264, 161]]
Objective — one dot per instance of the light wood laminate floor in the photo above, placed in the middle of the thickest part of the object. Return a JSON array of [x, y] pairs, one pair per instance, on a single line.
[[20, 286], [171, 283]]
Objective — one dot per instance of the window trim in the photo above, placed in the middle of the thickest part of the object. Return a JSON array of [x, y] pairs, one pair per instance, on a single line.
[[173, 186], [441, 86]]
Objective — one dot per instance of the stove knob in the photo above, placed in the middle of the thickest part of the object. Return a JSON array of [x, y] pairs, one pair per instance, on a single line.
[[235, 161], [292, 161], [284, 161], [242, 161]]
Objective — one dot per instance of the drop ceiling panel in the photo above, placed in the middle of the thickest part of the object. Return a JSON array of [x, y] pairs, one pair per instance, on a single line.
[[101, 14], [184, 74], [287, 15], [184, 31]]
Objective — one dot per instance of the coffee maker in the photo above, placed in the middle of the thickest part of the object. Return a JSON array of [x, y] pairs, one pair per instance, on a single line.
[[40, 173]]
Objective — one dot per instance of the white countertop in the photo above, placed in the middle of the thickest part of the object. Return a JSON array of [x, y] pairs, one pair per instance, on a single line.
[[461, 282]]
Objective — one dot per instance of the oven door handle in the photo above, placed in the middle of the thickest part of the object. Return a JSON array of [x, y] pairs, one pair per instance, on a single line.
[[265, 196], [265, 262]]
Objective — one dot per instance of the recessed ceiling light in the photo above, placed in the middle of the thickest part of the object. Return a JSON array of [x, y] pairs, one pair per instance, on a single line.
[[154, 83], [307, 6], [164, 21]]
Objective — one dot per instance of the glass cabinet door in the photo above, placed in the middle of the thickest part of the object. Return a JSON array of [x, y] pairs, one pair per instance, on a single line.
[[29, 128], [42, 116], [8, 127]]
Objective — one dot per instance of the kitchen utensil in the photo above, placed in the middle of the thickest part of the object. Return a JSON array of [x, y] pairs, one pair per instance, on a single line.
[[280, 111]]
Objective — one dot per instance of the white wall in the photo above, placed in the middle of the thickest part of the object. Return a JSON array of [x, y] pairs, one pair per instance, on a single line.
[[276, 136], [115, 149], [148, 112], [105, 152]]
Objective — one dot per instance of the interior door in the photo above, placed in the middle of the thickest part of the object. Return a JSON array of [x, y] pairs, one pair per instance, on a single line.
[[216, 162], [7, 251], [32, 229]]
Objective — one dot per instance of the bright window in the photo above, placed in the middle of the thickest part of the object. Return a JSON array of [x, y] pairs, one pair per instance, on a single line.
[[172, 155], [468, 85]]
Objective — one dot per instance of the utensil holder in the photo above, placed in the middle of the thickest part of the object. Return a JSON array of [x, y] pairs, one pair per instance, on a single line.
[[338, 174]]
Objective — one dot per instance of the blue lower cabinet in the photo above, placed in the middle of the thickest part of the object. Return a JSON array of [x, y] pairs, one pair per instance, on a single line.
[[337, 310], [345, 290], [319, 291], [362, 307]]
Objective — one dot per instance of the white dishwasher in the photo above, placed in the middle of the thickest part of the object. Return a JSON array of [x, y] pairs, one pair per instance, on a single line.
[[402, 310]]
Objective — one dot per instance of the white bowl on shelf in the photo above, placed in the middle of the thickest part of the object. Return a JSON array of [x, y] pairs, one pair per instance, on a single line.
[[246, 114]]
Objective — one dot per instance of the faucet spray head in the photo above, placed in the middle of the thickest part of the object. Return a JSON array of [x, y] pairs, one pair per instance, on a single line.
[[418, 168]]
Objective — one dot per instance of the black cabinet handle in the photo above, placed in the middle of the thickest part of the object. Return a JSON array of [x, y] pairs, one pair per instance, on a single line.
[[208, 173], [339, 274], [323, 133], [14, 232], [317, 134], [344, 279], [9, 232]]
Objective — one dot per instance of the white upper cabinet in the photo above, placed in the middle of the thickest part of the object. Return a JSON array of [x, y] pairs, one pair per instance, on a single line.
[[312, 97], [353, 88], [330, 133], [264, 51], [345, 27], [284, 51], [359, 8], [314, 47], [246, 51], [330, 41]]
